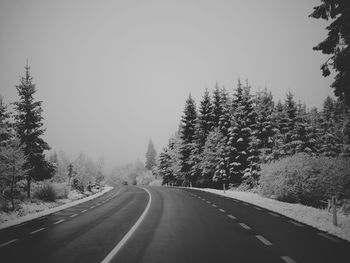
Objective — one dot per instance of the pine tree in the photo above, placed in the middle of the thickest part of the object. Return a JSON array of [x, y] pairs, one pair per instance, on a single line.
[[337, 44], [151, 156], [29, 124], [164, 167], [187, 139], [217, 106]]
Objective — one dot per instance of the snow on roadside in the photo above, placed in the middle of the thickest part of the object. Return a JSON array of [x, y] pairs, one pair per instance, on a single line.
[[33, 210], [317, 218]]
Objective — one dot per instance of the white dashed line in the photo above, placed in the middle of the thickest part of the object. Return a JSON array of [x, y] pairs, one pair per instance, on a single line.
[[328, 237], [8, 242], [244, 226], [288, 259], [295, 223], [84, 211], [264, 240], [74, 215], [257, 208], [92, 206], [222, 210], [59, 221], [36, 231], [208, 202], [231, 216], [213, 205], [273, 214]]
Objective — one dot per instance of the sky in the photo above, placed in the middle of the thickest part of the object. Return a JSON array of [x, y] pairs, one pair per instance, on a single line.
[[114, 74]]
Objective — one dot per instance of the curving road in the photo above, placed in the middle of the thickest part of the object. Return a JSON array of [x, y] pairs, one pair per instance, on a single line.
[[161, 224]]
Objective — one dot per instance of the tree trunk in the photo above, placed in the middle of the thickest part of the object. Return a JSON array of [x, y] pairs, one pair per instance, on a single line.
[[12, 185], [28, 186]]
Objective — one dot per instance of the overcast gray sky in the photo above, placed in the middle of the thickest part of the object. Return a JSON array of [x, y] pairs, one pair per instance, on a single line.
[[113, 74]]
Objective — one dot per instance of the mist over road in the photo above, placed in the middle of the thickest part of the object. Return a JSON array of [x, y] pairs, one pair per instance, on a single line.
[[175, 225]]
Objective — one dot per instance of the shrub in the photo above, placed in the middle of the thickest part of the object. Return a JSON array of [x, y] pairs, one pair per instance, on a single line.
[[61, 189], [306, 179], [46, 193]]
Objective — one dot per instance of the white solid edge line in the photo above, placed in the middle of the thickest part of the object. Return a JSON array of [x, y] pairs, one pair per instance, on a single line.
[[295, 223], [288, 259], [121, 243], [328, 237], [8, 242]]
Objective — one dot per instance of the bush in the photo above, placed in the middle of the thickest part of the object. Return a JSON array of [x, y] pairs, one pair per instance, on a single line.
[[61, 189], [306, 179], [46, 193]]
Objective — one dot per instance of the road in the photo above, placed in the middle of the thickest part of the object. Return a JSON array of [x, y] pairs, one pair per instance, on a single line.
[[161, 224]]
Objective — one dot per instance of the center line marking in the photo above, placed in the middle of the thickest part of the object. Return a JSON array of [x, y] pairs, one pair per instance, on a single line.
[[8, 242], [231, 216], [222, 210], [74, 215], [36, 231], [264, 240], [208, 202], [288, 259], [84, 211], [244, 226], [117, 248], [59, 221], [92, 206], [213, 205]]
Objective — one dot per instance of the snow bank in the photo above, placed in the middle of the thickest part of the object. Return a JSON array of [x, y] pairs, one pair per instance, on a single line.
[[317, 218], [43, 209]]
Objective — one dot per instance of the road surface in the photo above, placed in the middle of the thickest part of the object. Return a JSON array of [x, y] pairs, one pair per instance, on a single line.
[[160, 224]]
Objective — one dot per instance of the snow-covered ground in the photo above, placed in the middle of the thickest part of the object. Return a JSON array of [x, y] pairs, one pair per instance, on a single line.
[[30, 210], [317, 218]]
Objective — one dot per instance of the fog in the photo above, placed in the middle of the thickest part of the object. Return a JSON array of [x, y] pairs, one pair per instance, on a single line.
[[114, 74]]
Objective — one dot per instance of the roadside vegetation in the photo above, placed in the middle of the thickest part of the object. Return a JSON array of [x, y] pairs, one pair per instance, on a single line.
[[30, 178]]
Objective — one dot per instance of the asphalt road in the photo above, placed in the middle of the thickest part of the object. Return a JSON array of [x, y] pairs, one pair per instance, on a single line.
[[167, 225]]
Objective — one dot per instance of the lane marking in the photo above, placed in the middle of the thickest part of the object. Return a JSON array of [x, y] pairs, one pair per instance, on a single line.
[[208, 202], [244, 226], [273, 214], [222, 210], [117, 248], [8, 242], [257, 208], [246, 204], [295, 223], [74, 215], [92, 206], [231, 216], [213, 205], [41, 218], [59, 221], [328, 237], [36, 231], [264, 240], [84, 211], [20, 225], [288, 259]]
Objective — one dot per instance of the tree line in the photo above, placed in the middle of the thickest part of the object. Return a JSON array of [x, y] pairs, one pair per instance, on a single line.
[[229, 136]]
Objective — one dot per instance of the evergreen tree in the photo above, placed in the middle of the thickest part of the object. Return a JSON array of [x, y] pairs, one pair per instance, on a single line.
[[164, 167], [5, 126], [217, 106], [151, 156], [337, 44], [29, 124], [187, 139]]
